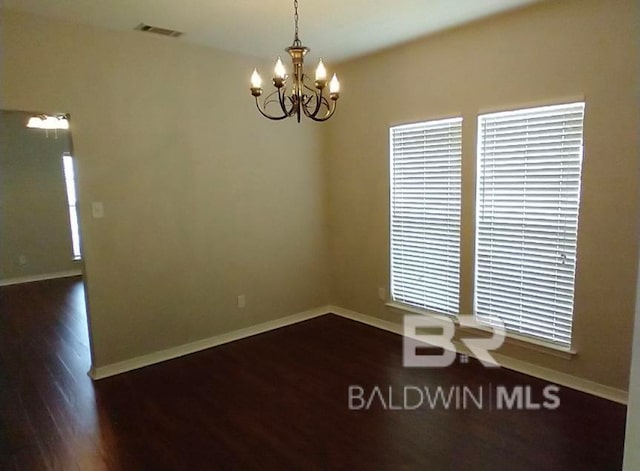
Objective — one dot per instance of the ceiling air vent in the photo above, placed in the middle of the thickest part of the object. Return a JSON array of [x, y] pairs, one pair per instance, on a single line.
[[162, 31]]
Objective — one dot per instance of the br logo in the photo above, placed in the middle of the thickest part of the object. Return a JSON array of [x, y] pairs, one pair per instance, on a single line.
[[443, 337]]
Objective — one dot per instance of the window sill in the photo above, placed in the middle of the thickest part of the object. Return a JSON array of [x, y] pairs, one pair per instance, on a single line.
[[511, 338], [526, 343], [417, 310]]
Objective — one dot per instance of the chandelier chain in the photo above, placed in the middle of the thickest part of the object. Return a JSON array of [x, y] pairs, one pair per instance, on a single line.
[[296, 39]]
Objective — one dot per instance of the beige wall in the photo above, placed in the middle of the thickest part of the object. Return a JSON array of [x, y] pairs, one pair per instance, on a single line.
[[204, 199], [549, 53], [34, 216]]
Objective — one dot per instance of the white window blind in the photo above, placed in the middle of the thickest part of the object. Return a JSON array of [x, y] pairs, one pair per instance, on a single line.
[[528, 196], [425, 214]]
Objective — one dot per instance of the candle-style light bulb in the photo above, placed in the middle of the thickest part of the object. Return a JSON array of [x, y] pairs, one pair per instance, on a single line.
[[321, 72], [279, 70], [334, 85], [256, 83], [256, 80]]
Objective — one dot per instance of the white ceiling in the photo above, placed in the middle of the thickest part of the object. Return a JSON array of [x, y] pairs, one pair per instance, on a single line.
[[338, 29]]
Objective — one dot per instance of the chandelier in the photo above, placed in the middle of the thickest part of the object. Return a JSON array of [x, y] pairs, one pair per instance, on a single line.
[[293, 95]]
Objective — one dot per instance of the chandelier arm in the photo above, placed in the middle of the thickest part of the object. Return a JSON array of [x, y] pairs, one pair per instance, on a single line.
[[306, 99], [328, 114], [316, 94], [282, 100], [268, 100], [294, 109], [264, 113], [304, 83], [314, 91], [319, 100]]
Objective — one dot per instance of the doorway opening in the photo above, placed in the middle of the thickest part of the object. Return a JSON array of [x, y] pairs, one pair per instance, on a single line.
[[40, 225]]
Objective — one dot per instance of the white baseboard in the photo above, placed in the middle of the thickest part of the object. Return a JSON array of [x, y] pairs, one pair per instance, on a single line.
[[42, 277], [193, 347], [369, 320], [563, 379]]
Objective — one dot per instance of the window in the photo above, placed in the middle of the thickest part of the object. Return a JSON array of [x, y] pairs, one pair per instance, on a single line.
[[425, 214], [69, 179], [528, 196]]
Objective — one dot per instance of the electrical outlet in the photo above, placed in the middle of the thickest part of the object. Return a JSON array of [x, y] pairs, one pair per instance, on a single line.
[[22, 259], [382, 294], [242, 301], [97, 210]]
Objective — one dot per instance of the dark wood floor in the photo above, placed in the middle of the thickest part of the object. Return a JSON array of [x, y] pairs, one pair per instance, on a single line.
[[277, 401]]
